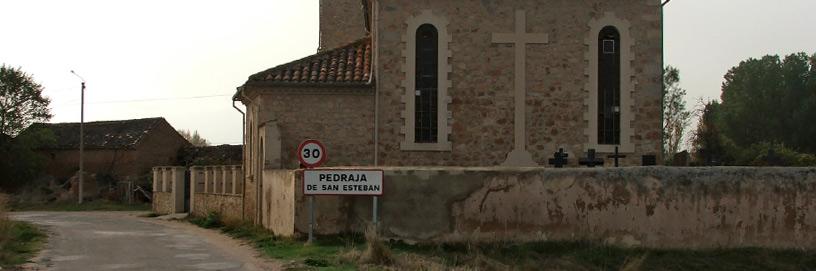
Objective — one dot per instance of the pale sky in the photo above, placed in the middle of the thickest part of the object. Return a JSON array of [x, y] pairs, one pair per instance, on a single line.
[[149, 58]]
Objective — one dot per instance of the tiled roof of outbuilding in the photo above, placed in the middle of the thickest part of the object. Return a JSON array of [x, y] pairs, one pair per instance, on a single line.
[[119, 134], [346, 65]]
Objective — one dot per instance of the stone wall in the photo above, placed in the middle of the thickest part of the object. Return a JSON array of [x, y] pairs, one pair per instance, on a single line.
[[218, 189], [342, 119], [341, 22], [652, 207], [482, 78], [162, 203], [227, 206]]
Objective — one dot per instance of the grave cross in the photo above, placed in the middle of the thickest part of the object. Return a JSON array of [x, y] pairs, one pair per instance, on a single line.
[[520, 38], [559, 158], [591, 160], [616, 156]]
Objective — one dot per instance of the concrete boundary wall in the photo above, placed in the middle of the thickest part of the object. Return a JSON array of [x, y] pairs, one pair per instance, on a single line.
[[647, 206]]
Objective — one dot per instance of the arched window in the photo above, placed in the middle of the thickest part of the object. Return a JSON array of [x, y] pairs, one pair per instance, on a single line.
[[427, 84], [609, 86]]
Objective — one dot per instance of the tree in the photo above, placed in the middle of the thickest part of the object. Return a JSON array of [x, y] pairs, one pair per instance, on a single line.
[[194, 138], [676, 118], [21, 101], [771, 100]]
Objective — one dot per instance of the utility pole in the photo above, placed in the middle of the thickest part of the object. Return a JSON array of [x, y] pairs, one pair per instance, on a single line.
[[81, 136]]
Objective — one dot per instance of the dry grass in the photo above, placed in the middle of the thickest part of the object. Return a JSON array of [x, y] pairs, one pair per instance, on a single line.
[[376, 252]]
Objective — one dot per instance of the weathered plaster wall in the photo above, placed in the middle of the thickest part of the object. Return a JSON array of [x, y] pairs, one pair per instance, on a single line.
[[653, 207], [482, 77], [163, 203], [228, 206], [279, 201]]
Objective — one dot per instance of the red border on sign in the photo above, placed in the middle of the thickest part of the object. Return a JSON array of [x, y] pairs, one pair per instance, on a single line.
[[322, 158], [303, 180]]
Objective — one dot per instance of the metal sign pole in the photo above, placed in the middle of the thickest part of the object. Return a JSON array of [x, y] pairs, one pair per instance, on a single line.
[[311, 219], [374, 212]]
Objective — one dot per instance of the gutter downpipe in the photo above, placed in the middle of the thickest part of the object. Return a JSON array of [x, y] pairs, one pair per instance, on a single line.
[[243, 154], [662, 81]]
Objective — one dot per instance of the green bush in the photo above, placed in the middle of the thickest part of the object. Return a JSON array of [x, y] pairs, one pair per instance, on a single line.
[[211, 221]]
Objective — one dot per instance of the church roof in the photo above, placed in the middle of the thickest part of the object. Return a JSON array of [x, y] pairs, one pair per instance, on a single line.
[[119, 134], [345, 65]]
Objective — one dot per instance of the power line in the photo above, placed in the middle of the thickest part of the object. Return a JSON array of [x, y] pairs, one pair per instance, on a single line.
[[151, 100]]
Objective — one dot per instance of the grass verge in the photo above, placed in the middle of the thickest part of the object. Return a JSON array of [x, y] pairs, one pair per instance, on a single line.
[[97, 205], [19, 241], [353, 252]]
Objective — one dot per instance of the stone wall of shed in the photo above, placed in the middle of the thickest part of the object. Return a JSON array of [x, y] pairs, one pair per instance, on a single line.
[[652, 207], [482, 76]]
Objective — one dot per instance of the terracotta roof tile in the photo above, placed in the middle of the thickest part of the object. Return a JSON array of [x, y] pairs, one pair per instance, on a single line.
[[349, 64]]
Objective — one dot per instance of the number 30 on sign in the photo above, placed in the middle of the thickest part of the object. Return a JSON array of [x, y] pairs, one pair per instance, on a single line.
[[311, 153]]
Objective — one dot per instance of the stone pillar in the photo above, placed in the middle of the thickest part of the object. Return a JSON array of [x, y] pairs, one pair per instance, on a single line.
[[218, 179], [234, 178], [194, 180], [225, 180], [206, 180], [156, 179], [164, 178]]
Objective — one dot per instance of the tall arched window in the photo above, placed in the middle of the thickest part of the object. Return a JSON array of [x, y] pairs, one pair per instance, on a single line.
[[609, 85], [427, 84]]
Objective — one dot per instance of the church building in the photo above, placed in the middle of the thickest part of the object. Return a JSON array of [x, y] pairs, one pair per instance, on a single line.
[[465, 83]]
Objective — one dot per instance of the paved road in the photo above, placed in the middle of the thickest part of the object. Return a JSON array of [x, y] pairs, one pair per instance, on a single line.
[[124, 241]]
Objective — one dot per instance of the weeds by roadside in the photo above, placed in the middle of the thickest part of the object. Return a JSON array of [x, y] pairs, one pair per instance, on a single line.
[[18, 240], [372, 252]]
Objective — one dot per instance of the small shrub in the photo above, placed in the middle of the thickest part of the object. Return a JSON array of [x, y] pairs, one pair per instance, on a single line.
[[211, 221]]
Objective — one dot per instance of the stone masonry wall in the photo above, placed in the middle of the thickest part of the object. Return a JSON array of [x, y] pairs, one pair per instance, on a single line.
[[341, 22], [482, 78], [228, 206], [163, 203], [342, 121], [651, 207]]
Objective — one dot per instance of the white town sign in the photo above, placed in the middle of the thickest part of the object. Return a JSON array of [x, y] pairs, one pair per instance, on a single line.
[[343, 182]]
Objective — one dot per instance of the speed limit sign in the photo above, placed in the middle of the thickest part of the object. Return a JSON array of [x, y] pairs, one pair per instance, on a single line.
[[311, 153]]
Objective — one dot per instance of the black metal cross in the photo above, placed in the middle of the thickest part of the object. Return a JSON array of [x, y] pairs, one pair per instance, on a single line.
[[591, 160], [559, 158], [616, 156]]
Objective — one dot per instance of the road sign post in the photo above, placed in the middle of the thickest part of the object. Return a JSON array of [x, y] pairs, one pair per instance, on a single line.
[[311, 154], [335, 182]]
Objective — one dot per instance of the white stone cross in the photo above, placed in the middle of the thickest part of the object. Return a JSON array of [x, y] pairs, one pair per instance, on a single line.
[[520, 156]]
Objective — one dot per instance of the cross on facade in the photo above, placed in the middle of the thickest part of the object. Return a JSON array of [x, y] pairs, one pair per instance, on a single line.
[[559, 158], [616, 156], [591, 160], [520, 38]]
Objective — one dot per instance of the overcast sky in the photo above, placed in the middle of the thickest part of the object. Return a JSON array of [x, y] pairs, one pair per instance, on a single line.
[[183, 59]]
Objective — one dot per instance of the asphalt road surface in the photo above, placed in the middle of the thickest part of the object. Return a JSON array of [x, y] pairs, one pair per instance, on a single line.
[[124, 241]]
